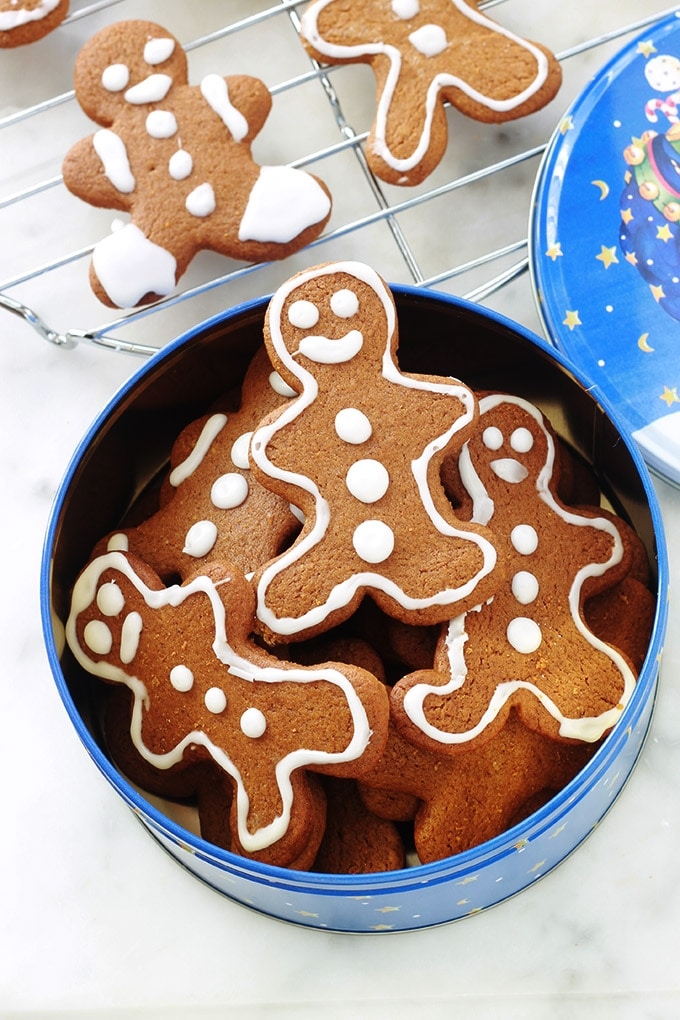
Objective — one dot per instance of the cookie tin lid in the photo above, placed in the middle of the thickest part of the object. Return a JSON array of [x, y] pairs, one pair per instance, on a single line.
[[605, 239]]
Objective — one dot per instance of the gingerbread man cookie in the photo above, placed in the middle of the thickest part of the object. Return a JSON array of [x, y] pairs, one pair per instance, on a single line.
[[177, 158], [211, 505], [204, 691], [530, 646], [463, 800], [425, 53], [359, 452], [25, 21]]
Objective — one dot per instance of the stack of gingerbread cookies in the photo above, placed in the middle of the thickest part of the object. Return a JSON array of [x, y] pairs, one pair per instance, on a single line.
[[370, 616]]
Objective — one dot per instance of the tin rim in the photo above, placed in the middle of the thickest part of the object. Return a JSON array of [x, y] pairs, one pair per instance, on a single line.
[[458, 865]]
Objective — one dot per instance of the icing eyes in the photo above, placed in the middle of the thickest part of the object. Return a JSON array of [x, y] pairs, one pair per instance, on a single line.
[[115, 77], [157, 51], [110, 599], [303, 314], [492, 438], [521, 440], [344, 304], [406, 9]]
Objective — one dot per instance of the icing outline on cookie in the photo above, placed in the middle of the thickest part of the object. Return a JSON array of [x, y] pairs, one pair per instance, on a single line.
[[588, 728], [310, 31], [85, 592], [347, 347]]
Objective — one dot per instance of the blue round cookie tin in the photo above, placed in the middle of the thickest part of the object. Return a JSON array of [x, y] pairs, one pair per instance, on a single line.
[[605, 239], [129, 443]]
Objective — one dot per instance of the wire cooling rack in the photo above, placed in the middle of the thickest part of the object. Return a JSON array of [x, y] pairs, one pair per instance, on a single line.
[[463, 230]]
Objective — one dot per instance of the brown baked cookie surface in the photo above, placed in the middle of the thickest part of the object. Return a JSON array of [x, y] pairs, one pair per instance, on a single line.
[[26, 21], [465, 799], [212, 508], [359, 452], [530, 646], [425, 53], [203, 691], [177, 158]]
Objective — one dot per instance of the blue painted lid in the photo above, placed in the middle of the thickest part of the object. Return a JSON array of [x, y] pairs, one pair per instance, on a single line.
[[605, 239]]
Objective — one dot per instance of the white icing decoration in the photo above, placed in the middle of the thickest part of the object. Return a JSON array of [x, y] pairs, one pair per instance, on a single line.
[[180, 165], [253, 723], [373, 541], [240, 451], [309, 30], [524, 587], [161, 124], [482, 504], [430, 40], [157, 51], [181, 678], [521, 440], [112, 151], [352, 426], [210, 431], [344, 303], [110, 599], [492, 437], [406, 9], [524, 539], [346, 589], [303, 314], [215, 700], [118, 543], [229, 491], [201, 201], [129, 637], [509, 470], [98, 637], [360, 733], [200, 539], [524, 635], [115, 77], [153, 89], [368, 480], [324, 351], [129, 265], [215, 91], [297, 512], [588, 728], [24, 15], [280, 386], [282, 204]]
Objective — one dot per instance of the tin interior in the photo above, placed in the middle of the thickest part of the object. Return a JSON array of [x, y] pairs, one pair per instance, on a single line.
[[131, 441]]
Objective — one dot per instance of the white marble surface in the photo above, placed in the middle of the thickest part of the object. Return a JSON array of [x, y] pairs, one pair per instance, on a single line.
[[94, 918]]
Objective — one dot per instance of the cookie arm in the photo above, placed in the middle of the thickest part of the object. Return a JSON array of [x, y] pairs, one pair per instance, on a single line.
[[85, 176]]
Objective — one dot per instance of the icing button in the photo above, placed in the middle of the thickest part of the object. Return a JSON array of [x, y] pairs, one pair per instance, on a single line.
[[373, 541], [253, 723], [215, 700]]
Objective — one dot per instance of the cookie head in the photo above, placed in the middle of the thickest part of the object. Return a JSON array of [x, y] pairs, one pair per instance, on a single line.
[[328, 317], [127, 64]]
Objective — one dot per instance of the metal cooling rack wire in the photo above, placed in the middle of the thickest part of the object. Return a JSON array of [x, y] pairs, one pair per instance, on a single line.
[[102, 335]]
